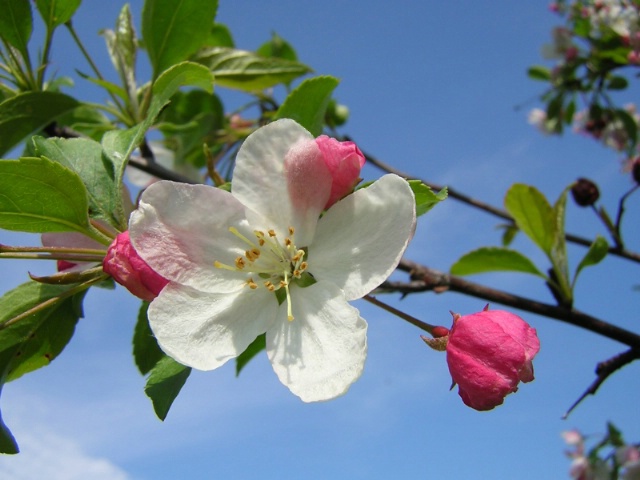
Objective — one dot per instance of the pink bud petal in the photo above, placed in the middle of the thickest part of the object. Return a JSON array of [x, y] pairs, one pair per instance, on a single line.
[[344, 160], [488, 354], [128, 269]]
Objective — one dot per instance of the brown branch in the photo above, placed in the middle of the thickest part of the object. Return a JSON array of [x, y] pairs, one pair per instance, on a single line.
[[614, 250], [603, 371], [427, 279]]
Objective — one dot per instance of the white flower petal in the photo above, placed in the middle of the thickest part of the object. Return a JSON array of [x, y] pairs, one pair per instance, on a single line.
[[181, 230], [205, 330], [322, 351], [360, 240], [260, 183]]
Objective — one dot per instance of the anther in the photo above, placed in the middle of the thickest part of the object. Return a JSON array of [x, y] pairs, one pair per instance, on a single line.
[[252, 285], [239, 263], [252, 255]]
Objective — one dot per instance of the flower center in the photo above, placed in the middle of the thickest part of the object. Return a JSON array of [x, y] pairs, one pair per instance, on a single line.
[[275, 263]]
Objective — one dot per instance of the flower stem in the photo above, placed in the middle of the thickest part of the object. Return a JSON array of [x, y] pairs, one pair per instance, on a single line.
[[412, 320]]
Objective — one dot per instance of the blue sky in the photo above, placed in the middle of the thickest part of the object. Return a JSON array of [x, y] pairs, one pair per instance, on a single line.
[[433, 89]]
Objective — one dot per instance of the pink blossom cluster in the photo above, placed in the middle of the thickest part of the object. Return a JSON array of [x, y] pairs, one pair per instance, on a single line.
[[590, 465]]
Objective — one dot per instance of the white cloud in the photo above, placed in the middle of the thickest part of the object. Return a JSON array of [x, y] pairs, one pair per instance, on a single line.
[[50, 456]]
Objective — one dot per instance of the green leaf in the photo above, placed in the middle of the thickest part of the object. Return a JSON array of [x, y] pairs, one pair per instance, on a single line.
[[191, 120], [122, 46], [248, 71], [533, 215], [56, 12], [173, 30], [35, 340], [630, 124], [617, 83], [307, 103], [146, 351], [494, 259], [220, 36], [27, 112], [558, 254], [277, 47], [118, 145], [570, 112], [508, 234], [8, 444], [259, 344], [164, 384], [39, 195], [180, 75], [425, 198], [87, 120], [40, 337], [538, 72], [108, 86], [597, 251], [97, 171], [16, 24]]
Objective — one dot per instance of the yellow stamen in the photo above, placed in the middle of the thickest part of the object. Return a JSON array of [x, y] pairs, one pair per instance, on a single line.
[[217, 264], [252, 285], [239, 263]]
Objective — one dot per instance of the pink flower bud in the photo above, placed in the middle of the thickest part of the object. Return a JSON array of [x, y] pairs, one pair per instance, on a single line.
[[128, 269], [344, 161], [488, 354]]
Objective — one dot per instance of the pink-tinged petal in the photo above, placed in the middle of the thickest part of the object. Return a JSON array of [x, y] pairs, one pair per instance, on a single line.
[[489, 353], [320, 353], [309, 185], [360, 240], [260, 182], [344, 161], [126, 267], [181, 230], [204, 330]]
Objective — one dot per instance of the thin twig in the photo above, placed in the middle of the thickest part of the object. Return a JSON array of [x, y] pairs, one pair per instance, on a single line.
[[603, 371], [427, 279], [635, 257]]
